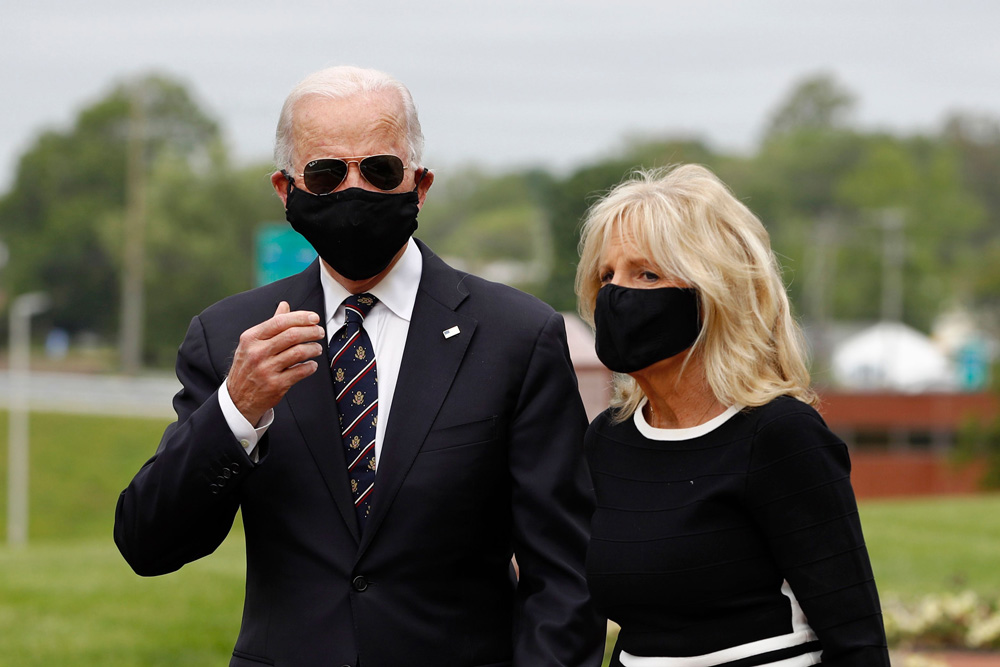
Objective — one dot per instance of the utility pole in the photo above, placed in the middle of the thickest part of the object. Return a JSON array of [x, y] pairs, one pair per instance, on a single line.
[[133, 273], [21, 311], [817, 282], [893, 255]]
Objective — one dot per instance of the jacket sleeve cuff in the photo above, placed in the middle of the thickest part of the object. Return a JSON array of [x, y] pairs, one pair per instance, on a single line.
[[247, 434]]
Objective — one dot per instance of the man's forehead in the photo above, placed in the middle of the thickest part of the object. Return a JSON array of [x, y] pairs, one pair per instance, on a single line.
[[392, 125], [379, 113]]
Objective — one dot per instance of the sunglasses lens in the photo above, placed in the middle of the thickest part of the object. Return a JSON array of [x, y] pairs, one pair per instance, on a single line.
[[385, 172], [322, 177]]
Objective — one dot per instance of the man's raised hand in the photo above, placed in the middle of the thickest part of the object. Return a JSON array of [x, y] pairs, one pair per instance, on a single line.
[[271, 357]]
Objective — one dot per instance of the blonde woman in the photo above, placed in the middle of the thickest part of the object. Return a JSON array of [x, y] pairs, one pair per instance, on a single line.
[[726, 531]]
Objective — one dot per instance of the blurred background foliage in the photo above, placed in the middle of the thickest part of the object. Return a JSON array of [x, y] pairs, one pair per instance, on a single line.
[[828, 191]]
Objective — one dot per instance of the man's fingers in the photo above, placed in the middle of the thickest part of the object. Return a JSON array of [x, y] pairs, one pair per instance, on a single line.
[[293, 336], [296, 354], [272, 356], [277, 353], [300, 372], [283, 320]]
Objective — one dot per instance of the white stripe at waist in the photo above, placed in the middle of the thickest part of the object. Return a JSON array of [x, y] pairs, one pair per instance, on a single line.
[[735, 653]]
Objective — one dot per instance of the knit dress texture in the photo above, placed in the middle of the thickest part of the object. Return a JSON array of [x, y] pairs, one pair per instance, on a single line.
[[734, 543]]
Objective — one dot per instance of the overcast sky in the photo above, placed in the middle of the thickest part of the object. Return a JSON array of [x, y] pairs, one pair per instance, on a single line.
[[521, 82]]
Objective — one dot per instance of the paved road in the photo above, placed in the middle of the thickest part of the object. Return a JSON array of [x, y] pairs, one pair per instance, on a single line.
[[146, 396]]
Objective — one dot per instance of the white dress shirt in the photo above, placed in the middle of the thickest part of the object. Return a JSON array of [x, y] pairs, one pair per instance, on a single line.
[[387, 325]]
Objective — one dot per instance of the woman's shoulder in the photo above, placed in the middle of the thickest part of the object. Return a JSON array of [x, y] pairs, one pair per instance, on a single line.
[[788, 427], [783, 410], [608, 426], [604, 422]]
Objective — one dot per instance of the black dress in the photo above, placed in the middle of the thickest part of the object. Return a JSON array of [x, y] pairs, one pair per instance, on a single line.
[[713, 541]]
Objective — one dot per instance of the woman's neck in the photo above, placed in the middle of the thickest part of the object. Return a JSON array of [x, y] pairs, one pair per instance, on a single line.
[[677, 399]]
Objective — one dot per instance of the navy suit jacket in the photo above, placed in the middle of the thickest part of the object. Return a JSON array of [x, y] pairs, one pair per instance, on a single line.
[[482, 457]]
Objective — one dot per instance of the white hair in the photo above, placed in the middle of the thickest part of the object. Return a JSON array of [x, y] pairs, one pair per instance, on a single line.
[[339, 83]]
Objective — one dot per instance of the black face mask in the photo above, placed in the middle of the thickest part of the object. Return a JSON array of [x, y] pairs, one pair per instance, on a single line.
[[638, 327], [355, 231]]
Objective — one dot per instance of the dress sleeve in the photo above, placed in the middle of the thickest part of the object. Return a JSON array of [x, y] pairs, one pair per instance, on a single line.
[[799, 493]]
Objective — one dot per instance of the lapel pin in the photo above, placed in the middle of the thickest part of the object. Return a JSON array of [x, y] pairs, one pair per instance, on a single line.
[[448, 333]]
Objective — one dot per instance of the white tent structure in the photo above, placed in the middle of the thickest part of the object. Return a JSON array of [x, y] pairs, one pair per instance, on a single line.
[[891, 356]]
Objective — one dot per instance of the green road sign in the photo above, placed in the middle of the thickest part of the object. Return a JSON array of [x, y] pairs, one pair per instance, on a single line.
[[281, 252]]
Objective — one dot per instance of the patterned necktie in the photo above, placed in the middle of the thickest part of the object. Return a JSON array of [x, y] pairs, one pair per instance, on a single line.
[[355, 384]]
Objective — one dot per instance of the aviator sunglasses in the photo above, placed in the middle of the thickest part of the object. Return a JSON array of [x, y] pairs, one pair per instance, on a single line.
[[323, 176]]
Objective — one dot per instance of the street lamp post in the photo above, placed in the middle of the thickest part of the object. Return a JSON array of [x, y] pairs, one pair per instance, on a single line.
[[21, 311]]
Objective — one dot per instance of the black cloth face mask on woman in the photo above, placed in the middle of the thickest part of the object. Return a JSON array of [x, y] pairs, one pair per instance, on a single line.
[[635, 328], [356, 231]]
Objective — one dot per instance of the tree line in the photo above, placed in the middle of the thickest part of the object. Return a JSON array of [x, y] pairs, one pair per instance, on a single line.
[[850, 211]]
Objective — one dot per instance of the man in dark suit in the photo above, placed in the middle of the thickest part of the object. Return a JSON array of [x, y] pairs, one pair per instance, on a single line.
[[384, 541]]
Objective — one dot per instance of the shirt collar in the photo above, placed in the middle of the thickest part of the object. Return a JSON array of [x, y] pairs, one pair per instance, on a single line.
[[397, 290]]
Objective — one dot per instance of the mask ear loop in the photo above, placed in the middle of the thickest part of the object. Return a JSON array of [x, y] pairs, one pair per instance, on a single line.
[[423, 172], [290, 181]]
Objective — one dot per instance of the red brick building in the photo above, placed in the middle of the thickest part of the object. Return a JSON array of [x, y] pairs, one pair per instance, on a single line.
[[901, 444]]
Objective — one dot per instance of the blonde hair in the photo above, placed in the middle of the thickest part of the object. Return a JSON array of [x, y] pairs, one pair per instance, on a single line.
[[690, 226]]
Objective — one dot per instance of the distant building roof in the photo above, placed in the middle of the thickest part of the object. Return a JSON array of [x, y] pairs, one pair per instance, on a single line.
[[891, 356]]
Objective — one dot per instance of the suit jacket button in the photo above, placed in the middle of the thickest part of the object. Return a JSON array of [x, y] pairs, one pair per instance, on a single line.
[[359, 583]]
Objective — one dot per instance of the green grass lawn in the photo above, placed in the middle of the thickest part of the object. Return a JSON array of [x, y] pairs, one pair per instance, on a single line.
[[68, 598], [934, 545], [79, 464], [78, 603]]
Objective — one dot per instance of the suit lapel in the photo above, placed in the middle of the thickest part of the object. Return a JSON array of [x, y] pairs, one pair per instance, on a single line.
[[314, 408], [429, 365]]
